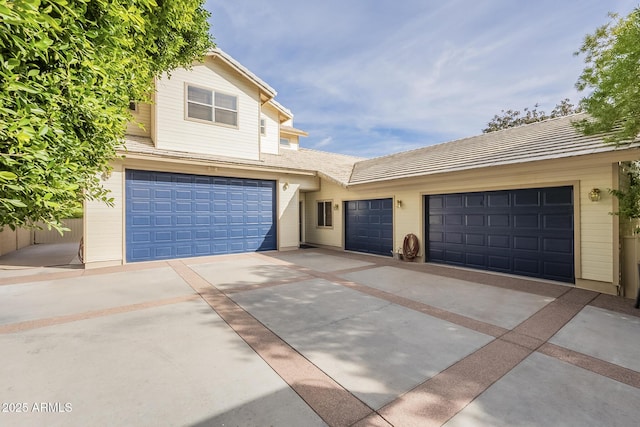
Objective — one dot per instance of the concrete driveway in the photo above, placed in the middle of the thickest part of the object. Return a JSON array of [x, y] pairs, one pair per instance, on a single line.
[[312, 337]]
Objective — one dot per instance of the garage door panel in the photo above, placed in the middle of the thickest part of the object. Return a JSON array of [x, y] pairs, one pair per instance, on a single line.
[[475, 259], [499, 263], [526, 243], [524, 266], [453, 201], [474, 220], [562, 196], [498, 220], [475, 239], [204, 215], [369, 226], [527, 232], [563, 246], [526, 221], [498, 200], [557, 222]]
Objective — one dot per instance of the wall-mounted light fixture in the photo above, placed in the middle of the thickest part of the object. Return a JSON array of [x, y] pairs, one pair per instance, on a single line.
[[336, 207], [285, 186], [594, 194], [398, 204]]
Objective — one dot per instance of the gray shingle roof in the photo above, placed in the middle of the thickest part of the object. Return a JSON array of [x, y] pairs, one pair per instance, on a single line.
[[550, 139]]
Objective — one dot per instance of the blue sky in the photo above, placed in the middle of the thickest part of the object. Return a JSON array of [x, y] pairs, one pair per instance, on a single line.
[[373, 77]]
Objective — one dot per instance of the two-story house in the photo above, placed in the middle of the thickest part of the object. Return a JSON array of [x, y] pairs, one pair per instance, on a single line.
[[216, 168], [204, 172]]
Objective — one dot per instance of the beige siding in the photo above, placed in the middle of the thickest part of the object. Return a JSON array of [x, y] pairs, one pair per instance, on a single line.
[[174, 132], [288, 215], [595, 227], [141, 124], [103, 231], [270, 142]]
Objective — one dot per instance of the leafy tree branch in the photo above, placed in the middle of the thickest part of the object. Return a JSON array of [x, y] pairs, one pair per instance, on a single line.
[[68, 70]]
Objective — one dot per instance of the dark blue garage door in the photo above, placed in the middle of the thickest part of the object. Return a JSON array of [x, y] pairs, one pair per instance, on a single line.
[[369, 226], [172, 215], [526, 232]]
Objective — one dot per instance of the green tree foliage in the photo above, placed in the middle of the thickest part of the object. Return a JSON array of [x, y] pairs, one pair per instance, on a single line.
[[68, 70], [612, 73], [513, 118], [629, 195]]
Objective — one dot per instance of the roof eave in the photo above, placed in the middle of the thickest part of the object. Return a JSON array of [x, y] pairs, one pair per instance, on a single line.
[[267, 90]]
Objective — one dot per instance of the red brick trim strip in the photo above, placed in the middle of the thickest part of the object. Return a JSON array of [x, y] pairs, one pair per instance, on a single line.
[[334, 404], [42, 323], [595, 365], [440, 398], [43, 276]]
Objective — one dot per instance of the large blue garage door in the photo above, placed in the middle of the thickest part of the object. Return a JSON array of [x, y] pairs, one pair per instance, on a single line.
[[369, 226], [172, 215], [527, 232]]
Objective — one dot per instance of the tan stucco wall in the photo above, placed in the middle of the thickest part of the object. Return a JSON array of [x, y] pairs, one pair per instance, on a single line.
[[596, 236]]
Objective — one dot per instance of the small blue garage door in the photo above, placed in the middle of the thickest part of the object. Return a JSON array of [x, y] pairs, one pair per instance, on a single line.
[[526, 232], [172, 215], [369, 226]]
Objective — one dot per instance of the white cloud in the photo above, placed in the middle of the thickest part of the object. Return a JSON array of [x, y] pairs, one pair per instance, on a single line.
[[437, 69]]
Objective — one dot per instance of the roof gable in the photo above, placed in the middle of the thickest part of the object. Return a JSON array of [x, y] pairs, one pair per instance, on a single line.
[[266, 91]]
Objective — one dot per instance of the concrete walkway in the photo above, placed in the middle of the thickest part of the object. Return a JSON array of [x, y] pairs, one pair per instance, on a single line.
[[312, 337]]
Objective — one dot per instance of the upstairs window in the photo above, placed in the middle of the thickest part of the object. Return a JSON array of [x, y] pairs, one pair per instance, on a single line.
[[285, 142], [263, 127], [325, 214], [210, 106]]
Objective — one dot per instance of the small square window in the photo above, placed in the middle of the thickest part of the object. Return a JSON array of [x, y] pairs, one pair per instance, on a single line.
[[285, 142], [325, 214]]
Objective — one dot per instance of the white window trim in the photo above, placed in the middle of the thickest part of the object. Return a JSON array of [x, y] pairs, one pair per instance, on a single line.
[[263, 126], [212, 105], [324, 202], [287, 144]]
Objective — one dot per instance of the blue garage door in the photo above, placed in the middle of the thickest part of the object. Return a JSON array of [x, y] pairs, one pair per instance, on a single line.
[[526, 232], [172, 215], [369, 226]]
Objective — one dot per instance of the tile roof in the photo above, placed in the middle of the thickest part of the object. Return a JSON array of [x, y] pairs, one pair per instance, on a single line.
[[550, 139], [332, 166], [336, 167]]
